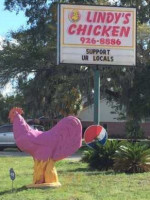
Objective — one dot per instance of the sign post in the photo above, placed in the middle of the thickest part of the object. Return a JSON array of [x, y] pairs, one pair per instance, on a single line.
[[96, 96], [96, 35]]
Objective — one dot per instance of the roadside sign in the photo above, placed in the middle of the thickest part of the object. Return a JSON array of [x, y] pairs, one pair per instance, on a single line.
[[96, 35]]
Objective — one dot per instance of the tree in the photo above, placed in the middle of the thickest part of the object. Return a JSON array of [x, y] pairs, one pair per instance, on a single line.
[[142, 6], [6, 103], [35, 52], [129, 86]]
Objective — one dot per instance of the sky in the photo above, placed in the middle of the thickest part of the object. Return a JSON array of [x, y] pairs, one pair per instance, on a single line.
[[10, 21]]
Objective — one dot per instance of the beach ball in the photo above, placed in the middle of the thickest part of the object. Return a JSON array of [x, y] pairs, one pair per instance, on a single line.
[[95, 133]]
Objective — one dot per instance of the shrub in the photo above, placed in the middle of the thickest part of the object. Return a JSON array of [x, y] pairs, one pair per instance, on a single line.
[[132, 158], [101, 157], [134, 130]]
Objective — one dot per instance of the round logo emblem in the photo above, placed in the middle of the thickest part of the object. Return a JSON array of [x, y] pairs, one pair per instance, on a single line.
[[74, 16]]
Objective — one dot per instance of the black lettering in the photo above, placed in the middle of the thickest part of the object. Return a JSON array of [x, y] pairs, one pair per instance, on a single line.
[[87, 51], [85, 57], [108, 51], [105, 58], [101, 58]]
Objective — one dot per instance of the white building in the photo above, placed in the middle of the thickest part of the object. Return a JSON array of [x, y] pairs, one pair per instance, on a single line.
[[107, 113], [109, 120]]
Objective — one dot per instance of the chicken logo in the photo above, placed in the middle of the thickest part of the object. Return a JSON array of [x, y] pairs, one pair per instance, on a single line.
[[74, 16]]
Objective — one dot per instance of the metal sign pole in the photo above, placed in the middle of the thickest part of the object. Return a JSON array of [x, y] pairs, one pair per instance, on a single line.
[[96, 96], [12, 186]]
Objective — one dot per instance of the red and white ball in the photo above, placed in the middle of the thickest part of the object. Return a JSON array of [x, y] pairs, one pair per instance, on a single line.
[[95, 133]]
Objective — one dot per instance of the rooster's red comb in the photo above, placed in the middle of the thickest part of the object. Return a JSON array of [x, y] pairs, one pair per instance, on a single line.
[[13, 112]]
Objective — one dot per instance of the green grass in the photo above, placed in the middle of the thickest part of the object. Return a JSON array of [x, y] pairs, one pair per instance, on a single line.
[[78, 183]]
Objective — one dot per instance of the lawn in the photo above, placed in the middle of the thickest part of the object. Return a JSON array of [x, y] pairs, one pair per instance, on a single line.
[[78, 183]]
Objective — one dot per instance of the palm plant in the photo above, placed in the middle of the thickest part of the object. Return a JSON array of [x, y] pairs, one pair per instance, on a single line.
[[132, 158], [101, 157]]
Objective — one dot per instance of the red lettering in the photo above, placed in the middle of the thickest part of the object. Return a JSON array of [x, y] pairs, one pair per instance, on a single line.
[[117, 17], [106, 30], [101, 17], [110, 17], [81, 29], [95, 17], [90, 30], [96, 30], [88, 17], [115, 30], [72, 29], [124, 31], [127, 15]]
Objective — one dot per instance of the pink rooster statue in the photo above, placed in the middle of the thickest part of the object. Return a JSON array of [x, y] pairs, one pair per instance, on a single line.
[[46, 147]]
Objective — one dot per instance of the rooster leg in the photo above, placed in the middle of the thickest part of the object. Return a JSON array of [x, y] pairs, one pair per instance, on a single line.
[[50, 172], [39, 168], [45, 174]]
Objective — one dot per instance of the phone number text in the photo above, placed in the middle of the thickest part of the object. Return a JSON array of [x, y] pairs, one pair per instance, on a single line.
[[102, 41]]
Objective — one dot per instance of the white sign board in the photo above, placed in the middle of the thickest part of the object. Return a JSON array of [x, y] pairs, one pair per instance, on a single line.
[[96, 35]]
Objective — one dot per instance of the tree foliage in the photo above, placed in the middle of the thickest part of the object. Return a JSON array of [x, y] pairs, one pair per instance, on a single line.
[[143, 6], [35, 52], [6, 103]]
